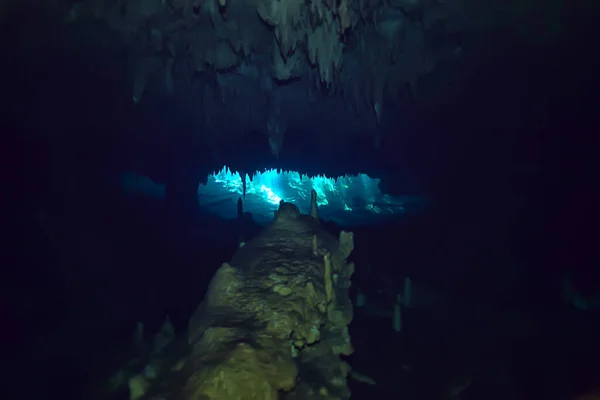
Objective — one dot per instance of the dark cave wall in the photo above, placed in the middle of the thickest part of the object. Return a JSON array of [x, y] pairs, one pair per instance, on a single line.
[[508, 166]]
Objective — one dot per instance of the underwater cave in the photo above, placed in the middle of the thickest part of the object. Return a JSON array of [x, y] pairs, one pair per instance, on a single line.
[[264, 199]]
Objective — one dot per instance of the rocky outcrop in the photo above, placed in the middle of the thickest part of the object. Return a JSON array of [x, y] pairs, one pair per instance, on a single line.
[[274, 321], [275, 318]]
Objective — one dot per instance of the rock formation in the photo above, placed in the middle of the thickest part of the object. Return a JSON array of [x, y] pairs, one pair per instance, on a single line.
[[263, 64], [274, 320]]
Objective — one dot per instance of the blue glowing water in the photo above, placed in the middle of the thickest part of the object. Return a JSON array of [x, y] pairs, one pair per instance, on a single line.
[[347, 200]]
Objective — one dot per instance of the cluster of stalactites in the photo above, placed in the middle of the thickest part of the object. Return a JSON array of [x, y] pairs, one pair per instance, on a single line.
[[244, 176], [317, 30]]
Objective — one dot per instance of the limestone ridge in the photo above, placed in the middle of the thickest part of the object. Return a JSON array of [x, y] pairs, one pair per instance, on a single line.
[[276, 317]]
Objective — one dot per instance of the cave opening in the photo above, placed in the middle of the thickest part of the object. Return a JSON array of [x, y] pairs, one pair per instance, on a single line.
[[347, 200]]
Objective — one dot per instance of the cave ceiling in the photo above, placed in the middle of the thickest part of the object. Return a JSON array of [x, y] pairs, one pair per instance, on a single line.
[[267, 65]]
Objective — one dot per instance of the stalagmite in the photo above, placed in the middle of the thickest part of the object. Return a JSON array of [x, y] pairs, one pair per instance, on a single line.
[[314, 211]]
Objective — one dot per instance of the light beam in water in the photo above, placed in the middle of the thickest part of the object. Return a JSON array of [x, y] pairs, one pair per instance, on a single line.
[[346, 200]]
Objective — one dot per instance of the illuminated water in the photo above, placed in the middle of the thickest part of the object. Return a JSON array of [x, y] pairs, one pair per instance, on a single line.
[[347, 200]]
